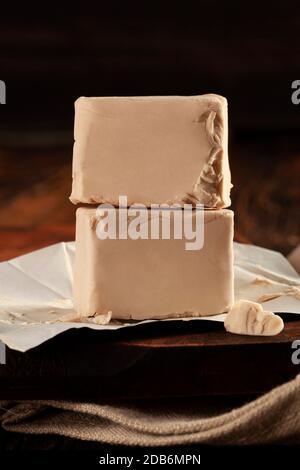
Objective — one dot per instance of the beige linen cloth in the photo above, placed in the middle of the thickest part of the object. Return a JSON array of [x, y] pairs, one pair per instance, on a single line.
[[271, 418]]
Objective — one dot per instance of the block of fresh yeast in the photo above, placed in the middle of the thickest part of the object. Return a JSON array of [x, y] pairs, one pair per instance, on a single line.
[[144, 278], [156, 149]]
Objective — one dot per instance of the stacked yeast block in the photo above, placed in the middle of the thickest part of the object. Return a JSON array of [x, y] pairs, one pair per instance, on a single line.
[[143, 279], [153, 150]]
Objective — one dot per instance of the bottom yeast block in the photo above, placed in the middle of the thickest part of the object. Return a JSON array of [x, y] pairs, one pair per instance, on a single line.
[[153, 278]]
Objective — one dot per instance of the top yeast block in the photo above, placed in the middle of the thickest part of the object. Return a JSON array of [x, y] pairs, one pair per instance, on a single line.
[[153, 150]]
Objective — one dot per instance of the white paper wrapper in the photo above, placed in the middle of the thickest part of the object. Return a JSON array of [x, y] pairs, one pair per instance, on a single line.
[[36, 292]]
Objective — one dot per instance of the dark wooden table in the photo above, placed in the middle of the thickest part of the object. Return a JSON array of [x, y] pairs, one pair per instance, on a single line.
[[156, 360]]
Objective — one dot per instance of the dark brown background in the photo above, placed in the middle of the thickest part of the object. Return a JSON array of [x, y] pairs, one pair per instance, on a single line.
[[247, 51], [49, 57]]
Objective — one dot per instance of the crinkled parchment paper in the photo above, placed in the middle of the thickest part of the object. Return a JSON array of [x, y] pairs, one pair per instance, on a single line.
[[36, 292]]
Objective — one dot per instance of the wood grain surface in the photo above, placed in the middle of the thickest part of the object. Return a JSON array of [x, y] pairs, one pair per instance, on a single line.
[[159, 360]]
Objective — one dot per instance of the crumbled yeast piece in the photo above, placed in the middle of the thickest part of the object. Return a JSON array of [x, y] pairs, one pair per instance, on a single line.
[[249, 318]]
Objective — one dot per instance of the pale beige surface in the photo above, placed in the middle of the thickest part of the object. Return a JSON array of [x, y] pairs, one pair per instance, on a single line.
[[169, 149], [143, 279], [249, 318]]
